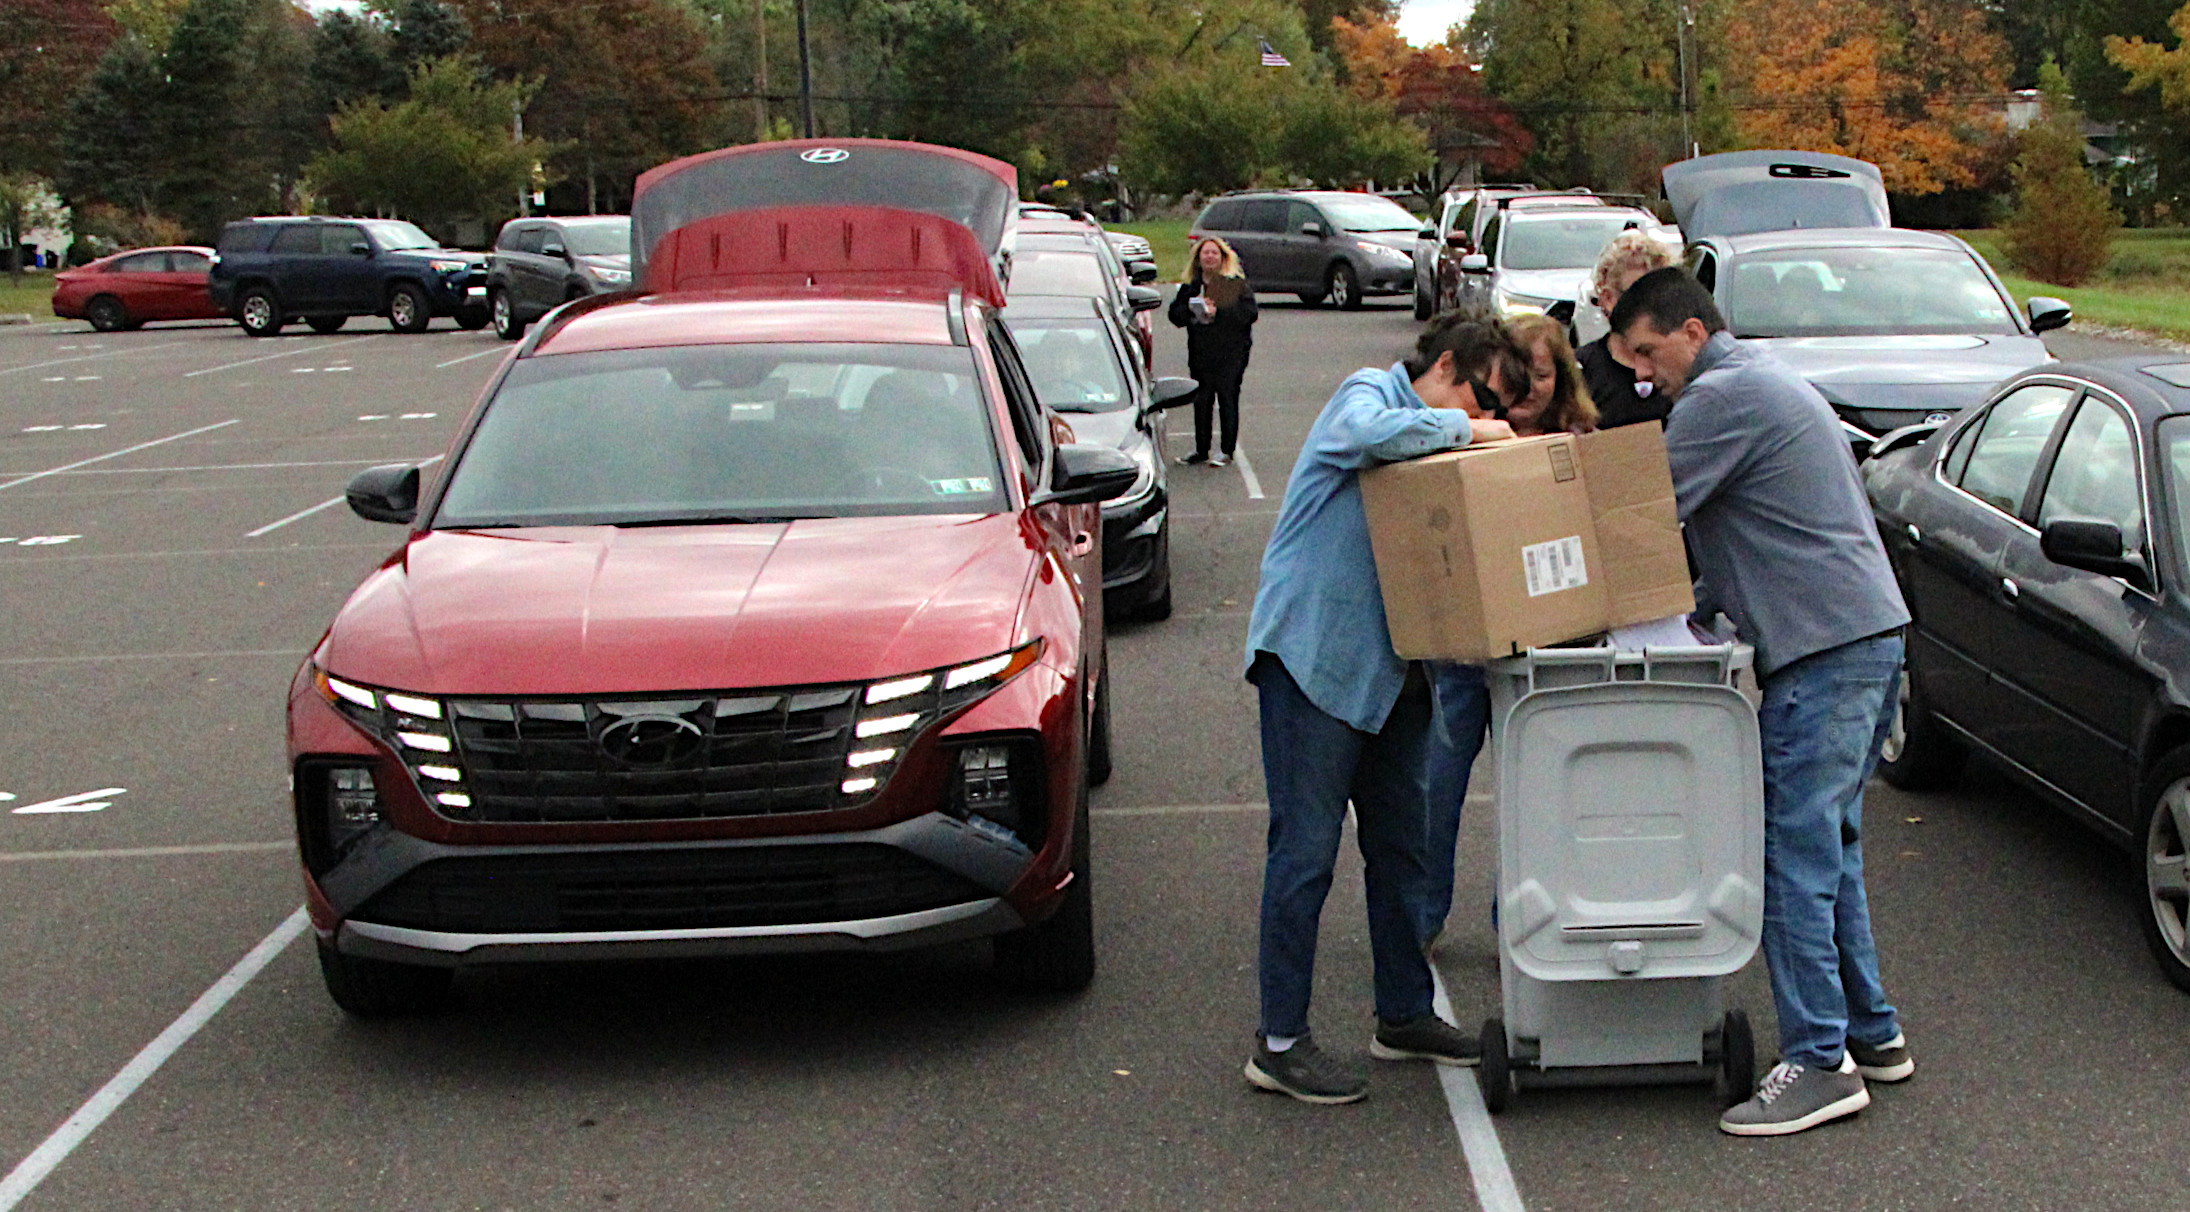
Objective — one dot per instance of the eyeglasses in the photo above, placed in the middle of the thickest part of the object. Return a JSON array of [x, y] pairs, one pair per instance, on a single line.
[[1488, 399]]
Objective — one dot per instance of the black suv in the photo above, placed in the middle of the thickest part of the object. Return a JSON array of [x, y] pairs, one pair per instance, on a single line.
[[540, 264], [267, 272]]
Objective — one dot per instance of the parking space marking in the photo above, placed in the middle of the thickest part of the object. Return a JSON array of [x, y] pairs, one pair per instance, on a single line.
[[1494, 1186], [39, 540], [290, 353], [130, 852], [1247, 475], [154, 656], [153, 471], [33, 1169], [52, 428], [111, 353], [82, 801], [54, 471], [468, 357], [326, 504]]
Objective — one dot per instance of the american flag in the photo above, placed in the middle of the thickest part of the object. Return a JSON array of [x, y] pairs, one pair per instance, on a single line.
[[1270, 57]]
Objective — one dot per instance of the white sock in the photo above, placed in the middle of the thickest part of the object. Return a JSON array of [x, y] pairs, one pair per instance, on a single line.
[[1280, 1043]]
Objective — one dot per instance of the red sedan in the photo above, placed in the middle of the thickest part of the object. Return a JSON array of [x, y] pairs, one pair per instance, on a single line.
[[759, 610], [127, 289]]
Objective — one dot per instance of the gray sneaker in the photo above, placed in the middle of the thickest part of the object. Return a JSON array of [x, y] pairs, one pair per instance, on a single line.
[[1427, 1038], [1793, 1099], [1305, 1073], [1887, 1062]]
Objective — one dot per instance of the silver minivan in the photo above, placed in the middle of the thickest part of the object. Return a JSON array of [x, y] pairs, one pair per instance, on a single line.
[[1323, 245]]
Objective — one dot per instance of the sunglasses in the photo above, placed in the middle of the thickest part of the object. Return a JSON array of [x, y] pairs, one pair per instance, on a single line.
[[1488, 399]]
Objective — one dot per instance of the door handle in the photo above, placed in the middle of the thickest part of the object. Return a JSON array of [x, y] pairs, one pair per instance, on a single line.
[[1082, 542], [2011, 589], [1915, 535]]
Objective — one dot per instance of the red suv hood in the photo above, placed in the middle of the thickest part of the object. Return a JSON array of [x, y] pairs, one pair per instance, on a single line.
[[596, 609]]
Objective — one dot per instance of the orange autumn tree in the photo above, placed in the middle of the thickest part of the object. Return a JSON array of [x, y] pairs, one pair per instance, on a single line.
[[1440, 89], [2150, 64], [1913, 86]]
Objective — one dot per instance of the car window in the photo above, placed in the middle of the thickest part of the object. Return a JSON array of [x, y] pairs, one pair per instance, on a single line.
[[188, 263], [245, 237], [296, 238], [1265, 215], [1072, 364], [2095, 474], [391, 235], [336, 239], [1297, 213], [1221, 216], [1837, 292], [730, 432], [1365, 213], [1490, 236], [1560, 241], [1058, 272], [2008, 443], [1705, 266], [530, 239], [1019, 396], [2174, 464], [1958, 457], [603, 239], [140, 263]]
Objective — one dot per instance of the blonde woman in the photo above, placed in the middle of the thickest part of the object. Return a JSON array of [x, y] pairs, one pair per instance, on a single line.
[[1557, 401], [1610, 378], [1217, 310]]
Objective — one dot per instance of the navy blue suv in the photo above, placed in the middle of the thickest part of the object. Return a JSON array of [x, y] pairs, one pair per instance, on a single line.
[[267, 272]]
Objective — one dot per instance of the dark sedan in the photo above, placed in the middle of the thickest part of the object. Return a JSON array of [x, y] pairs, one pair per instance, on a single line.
[[2040, 540], [1085, 367]]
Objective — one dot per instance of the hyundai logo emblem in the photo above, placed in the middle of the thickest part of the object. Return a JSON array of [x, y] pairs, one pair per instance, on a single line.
[[825, 155], [1938, 418], [652, 740]]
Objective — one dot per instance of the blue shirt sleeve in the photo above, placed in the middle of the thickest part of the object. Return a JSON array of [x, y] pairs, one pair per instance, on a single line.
[[1365, 429]]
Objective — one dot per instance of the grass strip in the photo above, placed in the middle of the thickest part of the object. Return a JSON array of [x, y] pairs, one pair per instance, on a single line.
[[2140, 289]]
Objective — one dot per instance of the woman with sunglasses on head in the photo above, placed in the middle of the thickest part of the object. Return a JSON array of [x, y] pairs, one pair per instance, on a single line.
[[1217, 309]]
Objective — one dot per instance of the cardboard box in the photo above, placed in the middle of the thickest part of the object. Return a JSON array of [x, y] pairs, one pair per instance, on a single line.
[[1494, 549]]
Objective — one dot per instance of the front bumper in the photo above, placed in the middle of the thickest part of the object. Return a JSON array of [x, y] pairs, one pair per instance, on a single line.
[[1132, 535]]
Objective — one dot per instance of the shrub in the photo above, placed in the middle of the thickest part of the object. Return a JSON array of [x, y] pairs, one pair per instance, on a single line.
[[2062, 228]]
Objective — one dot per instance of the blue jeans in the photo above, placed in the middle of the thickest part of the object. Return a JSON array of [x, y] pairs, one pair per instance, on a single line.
[[1314, 764], [1463, 714], [1823, 720]]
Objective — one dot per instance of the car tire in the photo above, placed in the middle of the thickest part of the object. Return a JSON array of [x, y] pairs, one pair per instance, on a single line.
[[504, 311], [1313, 298], [1343, 286], [1919, 753], [1737, 1073], [1098, 729], [326, 324], [1423, 305], [472, 319], [107, 314], [408, 309], [1058, 955], [1157, 606], [259, 312], [370, 988], [2163, 828]]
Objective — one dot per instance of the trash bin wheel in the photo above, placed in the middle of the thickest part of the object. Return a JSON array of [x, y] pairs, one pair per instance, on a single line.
[[1737, 1059], [1494, 1073]]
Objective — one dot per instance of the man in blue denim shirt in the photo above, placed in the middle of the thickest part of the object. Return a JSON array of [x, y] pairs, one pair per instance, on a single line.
[[1344, 718], [1786, 545]]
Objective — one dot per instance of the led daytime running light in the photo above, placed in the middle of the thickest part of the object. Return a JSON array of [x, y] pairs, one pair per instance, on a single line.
[[355, 694], [883, 692], [454, 799], [856, 786], [426, 741], [425, 709], [884, 726], [872, 757], [446, 774]]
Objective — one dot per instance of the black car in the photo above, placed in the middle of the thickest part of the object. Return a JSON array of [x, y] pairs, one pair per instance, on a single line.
[[1086, 367], [1083, 265], [540, 264], [2040, 541], [269, 271]]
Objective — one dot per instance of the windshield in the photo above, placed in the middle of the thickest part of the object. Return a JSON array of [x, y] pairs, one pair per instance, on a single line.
[[1042, 272], [2174, 435], [1567, 241], [1843, 292], [390, 235], [598, 239], [728, 433], [1368, 213], [1071, 363]]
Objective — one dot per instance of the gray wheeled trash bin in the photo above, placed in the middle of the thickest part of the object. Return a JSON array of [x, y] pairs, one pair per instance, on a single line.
[[1630, 868]]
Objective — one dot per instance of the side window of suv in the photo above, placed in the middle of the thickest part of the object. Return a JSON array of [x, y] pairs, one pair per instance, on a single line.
[[296, 238], [1026, 411], [337, 239], [1265, 215], [1298, 213], [1490, 237], [244, 237], [530, 239], [1221, 216], [2008, 443]]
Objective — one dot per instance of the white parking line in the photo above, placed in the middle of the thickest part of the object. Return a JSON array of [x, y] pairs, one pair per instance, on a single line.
[[54, 471], [33, 1170], [1494, 1186], [130, 852], [112, 353], [1247, 474], [287, 353], [305, 513], [468, 357], [150, 471], [153, 656]]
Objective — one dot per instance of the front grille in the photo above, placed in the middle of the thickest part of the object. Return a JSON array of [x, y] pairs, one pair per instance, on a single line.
[[746, 754], [666, 890]]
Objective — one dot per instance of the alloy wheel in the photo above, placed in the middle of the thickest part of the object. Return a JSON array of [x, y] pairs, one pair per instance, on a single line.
[[258, 312], [1341, 289], [400, 311], [501, 311], [2167, 868]]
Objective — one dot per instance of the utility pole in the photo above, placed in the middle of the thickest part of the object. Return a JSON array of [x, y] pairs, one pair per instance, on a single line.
[[1687, 26], [805, 75], [517, 136], [760, 71]]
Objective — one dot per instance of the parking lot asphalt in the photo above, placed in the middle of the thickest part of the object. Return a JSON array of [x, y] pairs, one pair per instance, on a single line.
[[166, 570]]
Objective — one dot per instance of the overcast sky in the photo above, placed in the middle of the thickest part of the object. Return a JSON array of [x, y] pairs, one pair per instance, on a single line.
[[1425, 21]]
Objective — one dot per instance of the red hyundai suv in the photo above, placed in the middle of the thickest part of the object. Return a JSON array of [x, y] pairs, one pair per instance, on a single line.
[[757, 609]]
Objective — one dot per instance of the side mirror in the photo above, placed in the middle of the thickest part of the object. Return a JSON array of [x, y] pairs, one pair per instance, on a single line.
[[553, 249], [1142, 272], [1475, 263], [388, 493], [1312, 228], [1562, 311], [1459, 240], [1171, 392], [2048, 314], [1427, 233], [1087, 473], [1143, 298], [2093, 547], [361, 249]]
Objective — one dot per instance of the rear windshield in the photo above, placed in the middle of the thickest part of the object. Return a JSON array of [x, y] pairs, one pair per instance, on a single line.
[[1072, 362], [1843, 292], [721, 434], [598, 239], [1561, 241], [1044, 272]]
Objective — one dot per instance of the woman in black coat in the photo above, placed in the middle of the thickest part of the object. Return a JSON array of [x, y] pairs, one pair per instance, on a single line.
[[1217, 310]]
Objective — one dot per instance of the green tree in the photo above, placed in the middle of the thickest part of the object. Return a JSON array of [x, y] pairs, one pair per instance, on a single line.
[[24, 204], [111, 150], [199, 123], [441, 154], [1335, 137], [1202, 130], [49, 49], [1584, 75], [2062, 228], [353, 59]]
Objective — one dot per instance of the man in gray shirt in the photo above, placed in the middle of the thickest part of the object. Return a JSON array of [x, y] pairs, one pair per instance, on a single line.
[[1785, 544]]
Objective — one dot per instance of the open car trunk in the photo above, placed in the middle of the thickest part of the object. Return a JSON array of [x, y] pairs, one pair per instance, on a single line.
[[1736, 193]]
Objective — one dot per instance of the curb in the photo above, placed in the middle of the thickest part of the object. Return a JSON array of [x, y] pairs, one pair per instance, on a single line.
[[15, 318]]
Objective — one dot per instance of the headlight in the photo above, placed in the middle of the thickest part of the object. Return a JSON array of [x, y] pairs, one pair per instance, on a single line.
[[606, 274], [1520, 305], [1386, 251], [1143, 454], [451, 267]]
